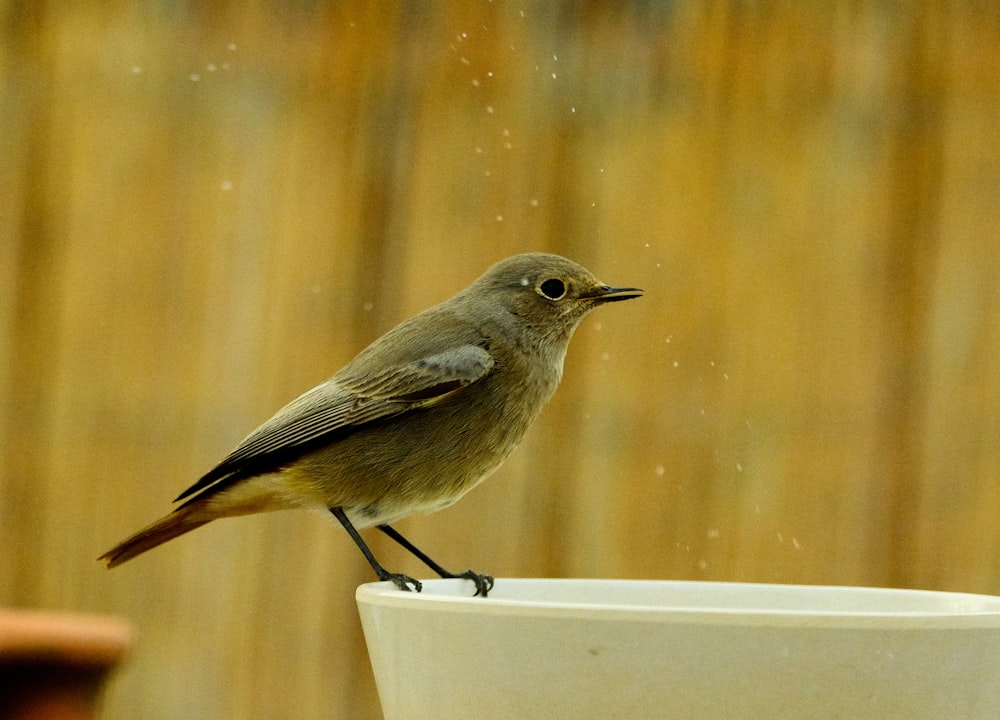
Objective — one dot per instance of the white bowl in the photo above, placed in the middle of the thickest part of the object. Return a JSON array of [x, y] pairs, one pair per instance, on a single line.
[[681, 650]]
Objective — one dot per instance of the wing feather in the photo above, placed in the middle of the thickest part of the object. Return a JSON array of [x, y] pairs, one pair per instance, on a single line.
[[342, 404]]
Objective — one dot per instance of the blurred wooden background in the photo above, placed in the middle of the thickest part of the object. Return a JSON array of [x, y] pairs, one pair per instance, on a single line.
[[207, 209]]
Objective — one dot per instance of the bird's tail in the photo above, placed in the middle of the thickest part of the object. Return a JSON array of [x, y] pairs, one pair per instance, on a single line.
[[183, 519]]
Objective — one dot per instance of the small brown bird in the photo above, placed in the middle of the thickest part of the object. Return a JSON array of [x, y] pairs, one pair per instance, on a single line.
[[415, 421]]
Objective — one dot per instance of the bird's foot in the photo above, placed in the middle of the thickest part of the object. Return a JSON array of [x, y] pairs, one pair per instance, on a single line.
[[403, 582], [483, 583]]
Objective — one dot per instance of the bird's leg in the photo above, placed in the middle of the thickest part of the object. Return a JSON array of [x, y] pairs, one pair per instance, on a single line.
[[403, 582], [483, 583]]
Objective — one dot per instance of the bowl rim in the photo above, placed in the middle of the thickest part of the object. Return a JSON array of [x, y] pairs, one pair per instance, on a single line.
[[953, 610]]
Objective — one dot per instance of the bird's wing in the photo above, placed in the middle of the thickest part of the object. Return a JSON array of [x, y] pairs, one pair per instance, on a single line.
[[343, 404]]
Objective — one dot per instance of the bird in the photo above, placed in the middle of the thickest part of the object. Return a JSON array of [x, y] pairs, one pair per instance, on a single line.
[[417, 419]]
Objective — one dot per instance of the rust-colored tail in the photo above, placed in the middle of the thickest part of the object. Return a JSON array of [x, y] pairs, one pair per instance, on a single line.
[[182, 520]]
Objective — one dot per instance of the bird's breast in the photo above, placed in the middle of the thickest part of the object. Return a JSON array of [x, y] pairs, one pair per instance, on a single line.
[[427, 458]]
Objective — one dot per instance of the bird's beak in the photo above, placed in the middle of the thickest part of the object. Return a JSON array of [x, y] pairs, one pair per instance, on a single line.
[[606, 293]]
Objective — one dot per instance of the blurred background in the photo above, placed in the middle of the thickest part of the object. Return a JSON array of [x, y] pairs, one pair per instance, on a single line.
[[206, 209]]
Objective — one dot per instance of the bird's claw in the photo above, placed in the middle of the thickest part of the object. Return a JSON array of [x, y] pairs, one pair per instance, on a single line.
[[483, 583], [403, 582]]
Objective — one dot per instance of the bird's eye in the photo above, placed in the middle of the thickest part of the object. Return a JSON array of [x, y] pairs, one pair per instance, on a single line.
[[553, 289]]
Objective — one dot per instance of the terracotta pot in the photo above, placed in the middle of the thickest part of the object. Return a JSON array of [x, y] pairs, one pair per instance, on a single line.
[[53, 665]]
